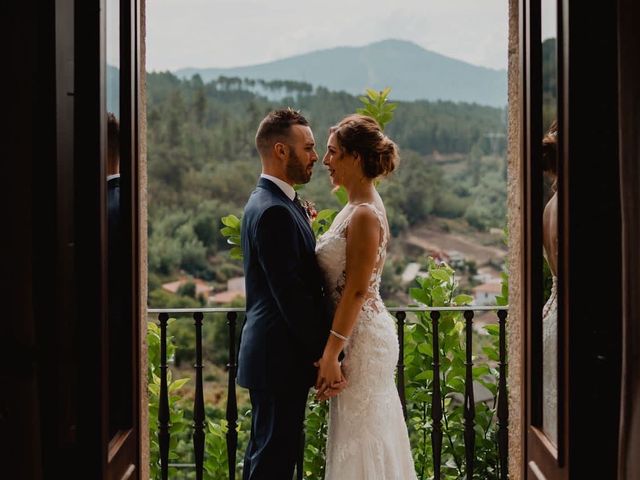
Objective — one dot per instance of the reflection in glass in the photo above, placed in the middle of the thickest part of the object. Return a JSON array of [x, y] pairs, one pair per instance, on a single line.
[[119, 416], [550, 219]]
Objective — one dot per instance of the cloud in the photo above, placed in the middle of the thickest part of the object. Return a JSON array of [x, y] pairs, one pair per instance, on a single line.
[[226, 33]]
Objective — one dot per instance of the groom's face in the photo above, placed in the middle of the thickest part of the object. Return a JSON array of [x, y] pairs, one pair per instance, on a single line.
[[302, 154]]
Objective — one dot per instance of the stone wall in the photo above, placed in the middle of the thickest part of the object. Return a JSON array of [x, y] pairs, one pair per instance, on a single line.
[[142, 236], [516, 255]]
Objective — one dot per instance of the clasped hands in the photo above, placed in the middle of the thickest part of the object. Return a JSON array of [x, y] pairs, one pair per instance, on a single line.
[[331, 380]]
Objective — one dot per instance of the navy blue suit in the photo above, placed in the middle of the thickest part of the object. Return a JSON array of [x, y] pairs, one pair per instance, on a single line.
[[285, 329]]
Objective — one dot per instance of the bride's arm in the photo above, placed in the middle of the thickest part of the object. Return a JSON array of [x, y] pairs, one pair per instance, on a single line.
[[363, 239]]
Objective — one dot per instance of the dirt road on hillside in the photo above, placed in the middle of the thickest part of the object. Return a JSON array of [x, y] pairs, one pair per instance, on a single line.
[[429, 239]]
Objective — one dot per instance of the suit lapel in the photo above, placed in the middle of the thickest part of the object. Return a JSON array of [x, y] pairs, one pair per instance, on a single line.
[[305, 226], [303, 221]]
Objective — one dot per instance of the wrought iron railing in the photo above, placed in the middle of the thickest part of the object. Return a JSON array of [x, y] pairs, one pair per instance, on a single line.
[[400, 313]]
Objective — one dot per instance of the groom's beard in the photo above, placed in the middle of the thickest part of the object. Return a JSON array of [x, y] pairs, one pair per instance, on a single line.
[[296, 171]]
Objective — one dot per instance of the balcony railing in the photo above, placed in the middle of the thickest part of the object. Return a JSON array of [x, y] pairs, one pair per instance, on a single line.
[[400, 313]]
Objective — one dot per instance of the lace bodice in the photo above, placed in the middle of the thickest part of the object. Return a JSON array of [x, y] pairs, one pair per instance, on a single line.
[[331, 252]]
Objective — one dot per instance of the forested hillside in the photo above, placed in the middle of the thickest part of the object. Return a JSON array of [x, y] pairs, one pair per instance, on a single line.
[[202, 164]]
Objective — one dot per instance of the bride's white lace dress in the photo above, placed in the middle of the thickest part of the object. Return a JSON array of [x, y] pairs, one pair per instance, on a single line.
[[550, 364], [367, 437]]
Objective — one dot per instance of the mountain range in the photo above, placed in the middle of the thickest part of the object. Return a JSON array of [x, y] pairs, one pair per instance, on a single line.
[[412, 72]]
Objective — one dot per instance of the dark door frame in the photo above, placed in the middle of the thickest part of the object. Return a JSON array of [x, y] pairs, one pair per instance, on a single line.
[[629, 104], [589, 311], [120, 456], [54, 420], [541, 456]]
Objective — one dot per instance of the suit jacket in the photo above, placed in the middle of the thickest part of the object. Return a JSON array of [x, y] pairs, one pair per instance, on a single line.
[[288, 318], [119, 321], [115, 250]]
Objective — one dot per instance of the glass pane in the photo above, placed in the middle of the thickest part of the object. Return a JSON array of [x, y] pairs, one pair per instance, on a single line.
[[119, 367], [549, 17], [113, 57]]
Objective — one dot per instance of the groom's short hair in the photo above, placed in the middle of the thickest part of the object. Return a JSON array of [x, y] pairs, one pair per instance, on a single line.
[[276, 127]]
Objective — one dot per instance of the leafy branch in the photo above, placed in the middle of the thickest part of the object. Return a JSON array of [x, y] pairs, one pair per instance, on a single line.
[[377, 105], [439, 288]]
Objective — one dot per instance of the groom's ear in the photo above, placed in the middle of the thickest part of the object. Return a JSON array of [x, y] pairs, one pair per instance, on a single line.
[[280, 150]]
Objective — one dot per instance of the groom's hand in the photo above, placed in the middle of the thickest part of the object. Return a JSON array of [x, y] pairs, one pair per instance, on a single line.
[[325, 389], [332, 391]]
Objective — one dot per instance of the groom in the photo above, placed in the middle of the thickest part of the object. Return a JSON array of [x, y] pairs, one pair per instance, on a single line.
[[287, 320]]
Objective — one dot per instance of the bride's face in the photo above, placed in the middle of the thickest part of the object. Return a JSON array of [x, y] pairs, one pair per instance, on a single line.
[[342, 166]]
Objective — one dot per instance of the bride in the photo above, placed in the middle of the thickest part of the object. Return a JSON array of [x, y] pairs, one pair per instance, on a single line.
[[549, 311], [367, 436]]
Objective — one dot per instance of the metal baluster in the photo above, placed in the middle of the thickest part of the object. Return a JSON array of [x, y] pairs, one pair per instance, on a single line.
[[198, 402], [232, 406], [503, 408], [436, 399], [163, 409], [469, 402], [401, 316]]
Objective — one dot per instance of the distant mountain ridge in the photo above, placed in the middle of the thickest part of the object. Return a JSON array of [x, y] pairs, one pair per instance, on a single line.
[[413, 73]]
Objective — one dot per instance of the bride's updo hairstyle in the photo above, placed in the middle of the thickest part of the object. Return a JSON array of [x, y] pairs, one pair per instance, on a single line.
[[550, 150], [550, 154], [362, 135]]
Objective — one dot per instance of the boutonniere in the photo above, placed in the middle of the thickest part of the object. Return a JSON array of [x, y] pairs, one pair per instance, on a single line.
[[310, 209]]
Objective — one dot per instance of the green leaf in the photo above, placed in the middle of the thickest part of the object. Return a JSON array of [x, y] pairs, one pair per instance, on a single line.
[[492, 329], [231, 221], [420, 335], [326, 214], [441, 275], [446, 324], [438, 296], [177, 384], [228, 231], [342, 196], [480, 371], [419, 295], [373, 94], [426, 349], [426, 375], [385, 117], [463, 299], [491, 353]]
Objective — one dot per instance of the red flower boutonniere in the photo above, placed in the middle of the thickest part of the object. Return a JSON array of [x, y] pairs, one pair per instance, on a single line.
[[310, 209]]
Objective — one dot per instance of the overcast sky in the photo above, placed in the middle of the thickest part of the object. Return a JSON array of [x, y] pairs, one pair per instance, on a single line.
[[230, 33]]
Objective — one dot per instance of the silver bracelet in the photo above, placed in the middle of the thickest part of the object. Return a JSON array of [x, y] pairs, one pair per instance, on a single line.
[[341, 337]]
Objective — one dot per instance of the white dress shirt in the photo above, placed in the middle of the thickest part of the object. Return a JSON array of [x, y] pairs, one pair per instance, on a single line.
[[284, 186]]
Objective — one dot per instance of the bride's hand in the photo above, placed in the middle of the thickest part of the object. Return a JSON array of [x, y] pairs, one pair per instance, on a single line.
[[329, 375], [333, 391]]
